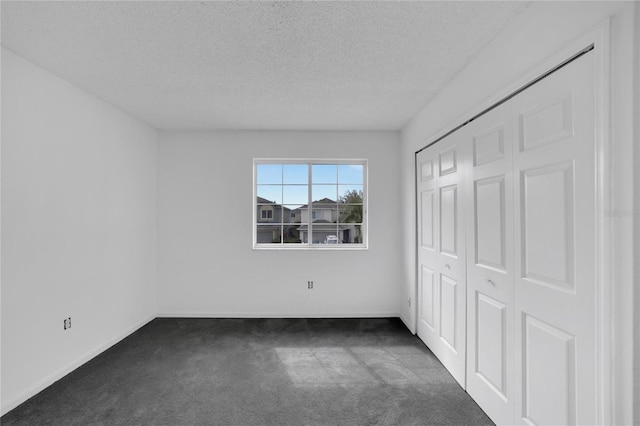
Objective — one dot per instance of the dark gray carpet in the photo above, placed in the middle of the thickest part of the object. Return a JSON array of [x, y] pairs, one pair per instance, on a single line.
[[258, 372]]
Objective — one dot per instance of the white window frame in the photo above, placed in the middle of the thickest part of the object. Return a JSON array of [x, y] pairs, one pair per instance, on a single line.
[[309, 245]]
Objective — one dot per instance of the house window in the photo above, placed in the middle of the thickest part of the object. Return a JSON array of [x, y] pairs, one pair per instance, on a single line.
[[310, 204]]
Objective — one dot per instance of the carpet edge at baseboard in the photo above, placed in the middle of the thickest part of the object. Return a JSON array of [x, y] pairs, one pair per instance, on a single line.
[[277, 315], [70, 367]]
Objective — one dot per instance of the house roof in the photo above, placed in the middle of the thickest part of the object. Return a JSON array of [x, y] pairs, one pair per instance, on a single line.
[[272, 203], [264, 201], [319, 202]]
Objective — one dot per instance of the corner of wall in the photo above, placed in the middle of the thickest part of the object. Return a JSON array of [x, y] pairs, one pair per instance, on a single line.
[[79, 236]]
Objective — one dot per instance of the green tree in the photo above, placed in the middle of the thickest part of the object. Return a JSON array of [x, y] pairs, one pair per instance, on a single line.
[[351, 210]]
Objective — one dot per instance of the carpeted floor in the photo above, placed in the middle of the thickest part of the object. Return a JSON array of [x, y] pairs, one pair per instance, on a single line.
[[258, 372]]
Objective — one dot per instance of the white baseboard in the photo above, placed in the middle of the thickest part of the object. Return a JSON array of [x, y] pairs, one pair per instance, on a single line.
[[51, 379], [192, 314], [407, 324]]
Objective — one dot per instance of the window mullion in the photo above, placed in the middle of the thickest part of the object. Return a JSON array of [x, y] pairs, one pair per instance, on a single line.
[[338, 203], [309, 199], [281, 205]]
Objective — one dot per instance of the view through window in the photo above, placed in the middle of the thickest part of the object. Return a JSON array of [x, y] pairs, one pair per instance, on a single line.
[[310, 203]]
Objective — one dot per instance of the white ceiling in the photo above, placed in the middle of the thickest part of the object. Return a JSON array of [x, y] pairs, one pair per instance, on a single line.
[[257, 65]]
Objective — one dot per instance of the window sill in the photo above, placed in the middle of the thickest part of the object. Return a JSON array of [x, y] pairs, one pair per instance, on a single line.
[[319, 247]]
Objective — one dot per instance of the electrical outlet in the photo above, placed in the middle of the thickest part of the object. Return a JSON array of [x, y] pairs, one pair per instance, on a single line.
[[67, 323], [310, 285], [409, 302]]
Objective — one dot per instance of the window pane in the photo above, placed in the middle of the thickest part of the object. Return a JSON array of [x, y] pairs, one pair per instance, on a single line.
[[293, 214], [350, 213], [324, 233], [292, 233], [267, 214], [296, 173], [301, 215], [269, 173], [267, 234], [351, 234], [350, 193], [324, 193], [303, 230], [324, 173], [351, 173], [269, 194], [295, 194], [324, 213]]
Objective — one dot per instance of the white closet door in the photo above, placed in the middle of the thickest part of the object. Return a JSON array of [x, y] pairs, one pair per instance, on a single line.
[[441, 255], [489, 243], [554, 169], [428, 237]]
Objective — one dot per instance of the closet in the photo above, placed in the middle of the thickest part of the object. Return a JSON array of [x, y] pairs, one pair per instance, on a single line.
[[506, 275]]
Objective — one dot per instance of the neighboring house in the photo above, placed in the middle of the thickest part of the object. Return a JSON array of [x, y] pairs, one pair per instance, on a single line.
[[268, 212], [324, 219], [323, 210], [270, 216], [325, 223]]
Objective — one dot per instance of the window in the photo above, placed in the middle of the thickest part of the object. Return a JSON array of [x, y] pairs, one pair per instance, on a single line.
[[310, 204]]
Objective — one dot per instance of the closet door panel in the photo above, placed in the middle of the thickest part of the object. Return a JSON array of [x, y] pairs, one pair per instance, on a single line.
[[489, 245], [427, 297], [428, 245], [490, 222], [449, 312], [426, 219], [549, 381], [491, 344], [554, 165], [441, 255], [546, 210], [448, 220], [451, 257]]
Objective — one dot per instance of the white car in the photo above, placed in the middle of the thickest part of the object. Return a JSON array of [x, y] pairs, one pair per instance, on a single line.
[[331, 239]]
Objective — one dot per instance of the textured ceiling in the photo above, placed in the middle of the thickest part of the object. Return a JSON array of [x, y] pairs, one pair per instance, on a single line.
[[257, 65]]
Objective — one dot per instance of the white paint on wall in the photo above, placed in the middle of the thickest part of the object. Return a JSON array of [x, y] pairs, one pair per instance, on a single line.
[[78, 227], [532, 39], [206, 263], [636, 247]]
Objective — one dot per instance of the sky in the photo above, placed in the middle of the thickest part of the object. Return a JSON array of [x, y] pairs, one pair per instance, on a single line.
[[288, 183]]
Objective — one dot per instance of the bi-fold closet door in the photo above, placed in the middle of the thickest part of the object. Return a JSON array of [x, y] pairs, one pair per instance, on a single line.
[[525, 214], [441, 255], [489, 208]]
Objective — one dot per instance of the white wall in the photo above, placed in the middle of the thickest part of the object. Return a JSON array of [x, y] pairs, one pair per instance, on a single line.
[[78, 227], [539, 33], [206, 263], [636, 248]]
